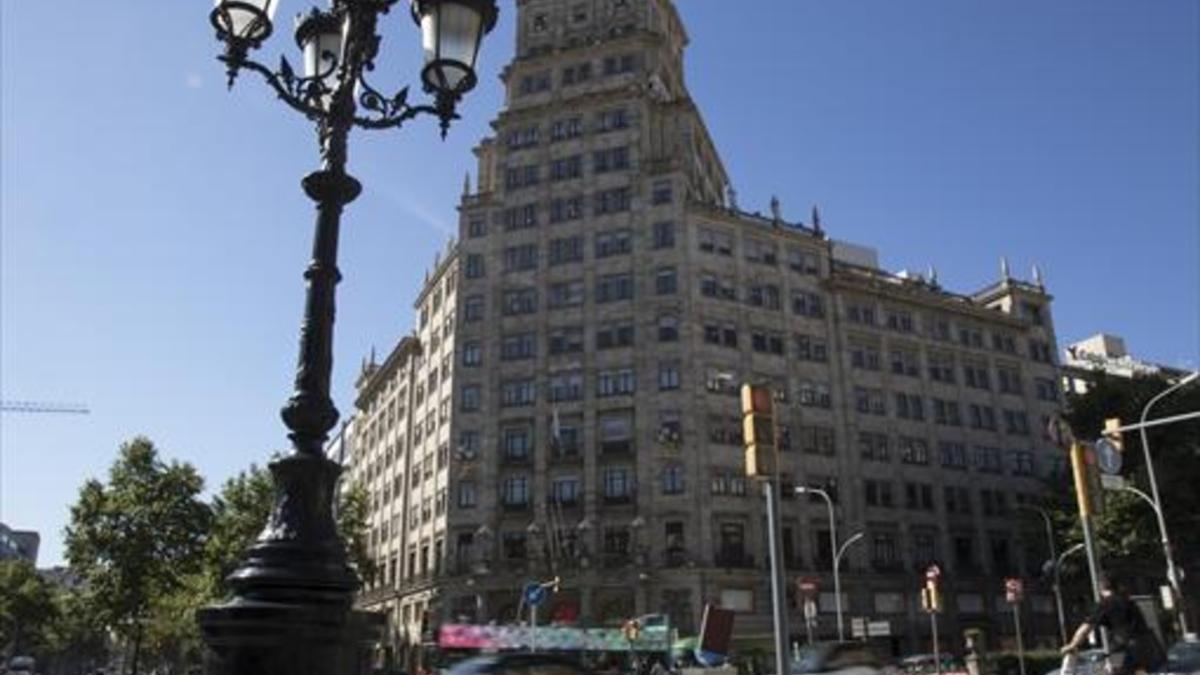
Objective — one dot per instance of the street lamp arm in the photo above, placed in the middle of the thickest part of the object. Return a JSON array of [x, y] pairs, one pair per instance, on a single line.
[[846, 544], [299, 93], [389, 113], [1142, 495]]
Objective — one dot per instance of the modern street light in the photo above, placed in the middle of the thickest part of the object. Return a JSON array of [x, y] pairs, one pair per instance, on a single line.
[[1058, 601], [293, 593], [834, 551], [1172, 572]]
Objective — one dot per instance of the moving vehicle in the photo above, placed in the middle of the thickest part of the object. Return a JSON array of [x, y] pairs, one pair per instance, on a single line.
[[842, 658], [919, 664], [518, 664], [1086, 662], [21, 665]]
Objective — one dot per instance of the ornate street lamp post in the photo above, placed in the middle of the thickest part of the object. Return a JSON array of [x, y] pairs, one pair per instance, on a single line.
[[291, 611]]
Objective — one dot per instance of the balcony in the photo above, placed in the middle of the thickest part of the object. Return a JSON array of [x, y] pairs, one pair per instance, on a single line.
[[515, 506], [516, 458], [566, 456], [616, 448], [616, 499], [564, 502], [733, 559]]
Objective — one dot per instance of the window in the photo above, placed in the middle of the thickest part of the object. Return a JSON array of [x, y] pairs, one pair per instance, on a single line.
[[661, 192], [617, 484], [520, 301], [803, 262], [810, 348], [615, 65], [988, 460], [473, 309], [763, 295], [970, 336], [807, 304], [668, 375], [918, 496], [906, 362], [1046, 389], [815, 395], [473, 268], [576, 74], [524, 137], [476, 228], [514, 491], [861, 314], [909, 406], [616, 432], [947, 413], [520, 258], [1039, 350], [533, 84], [873, 446], [914, 450], [619, 382], [468, 445], [519, 217], [883, 551], [516, 443], [878, 493], [518, 347], [568, 127], [958, 500], [612, 243], [668, 328], [615, 200], [982, 416], [565, 387], [470, 398], [941, 368], [766, 342], [611, 120], [567, 439], [520, 176], [566, 294], [513, 545], [721, 381], [869, 401], [566, 250], [517, 393], [1022, 463], [665, 281], [1003, 342], [817, 440], [900, 320], [954, 455], [614, 287], [472, 354], [1009, 380], [672, 481], [864, 356], [563, 209], [664, 235], [717, 243], [610, 159], [567, 340], [615, 335], [761, 252], [565, 491]]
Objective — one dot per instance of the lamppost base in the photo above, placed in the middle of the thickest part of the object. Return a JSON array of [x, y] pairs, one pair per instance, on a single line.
[[266, 638]]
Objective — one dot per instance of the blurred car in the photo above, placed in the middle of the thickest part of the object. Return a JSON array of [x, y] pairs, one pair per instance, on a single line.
[[918, 664], [842, 658], [1183, 658], [21, 665], [1086, 662], [517, 664]]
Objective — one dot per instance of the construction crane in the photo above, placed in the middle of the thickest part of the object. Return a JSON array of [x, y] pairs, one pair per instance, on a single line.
[[44, 407]]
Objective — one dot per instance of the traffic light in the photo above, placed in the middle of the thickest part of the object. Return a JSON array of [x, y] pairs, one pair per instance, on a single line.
[[758, 430], [1086, 470], [632, 629], [931, 598], [1110, 432]]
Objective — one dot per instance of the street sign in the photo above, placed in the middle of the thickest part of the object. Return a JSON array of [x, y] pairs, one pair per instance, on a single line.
[[1108, 456], [810, 609], [535, 593], [858, 627], [1014, 590], [808, 586]]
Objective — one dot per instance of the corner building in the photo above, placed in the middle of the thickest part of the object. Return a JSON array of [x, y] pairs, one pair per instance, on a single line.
[[569, 403]]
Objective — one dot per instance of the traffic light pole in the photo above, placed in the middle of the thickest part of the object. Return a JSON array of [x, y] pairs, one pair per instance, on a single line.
[[771, 492], [1084, 497]]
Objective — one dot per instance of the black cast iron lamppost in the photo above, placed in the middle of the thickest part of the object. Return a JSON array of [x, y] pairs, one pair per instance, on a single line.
[[291, 611]]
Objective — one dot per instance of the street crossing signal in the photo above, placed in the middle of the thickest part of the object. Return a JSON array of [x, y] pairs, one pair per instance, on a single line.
[[1089, 492], [758, 431], [931, 599], [632, 629]]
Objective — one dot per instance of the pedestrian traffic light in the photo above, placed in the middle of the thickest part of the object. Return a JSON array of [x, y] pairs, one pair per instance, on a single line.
[[931, 598], [1086, 470], [632, 629], [758, 430]]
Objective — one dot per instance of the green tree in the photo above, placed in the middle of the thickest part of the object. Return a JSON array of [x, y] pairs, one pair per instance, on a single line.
[[352, 507], [78, 641], [1127, 530], [138, 537], [27, 608]]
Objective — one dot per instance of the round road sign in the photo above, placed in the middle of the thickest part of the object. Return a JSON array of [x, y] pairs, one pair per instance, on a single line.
[[1108, 456]]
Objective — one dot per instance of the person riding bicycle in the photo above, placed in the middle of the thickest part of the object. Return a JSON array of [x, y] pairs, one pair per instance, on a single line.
[[1134, 647]]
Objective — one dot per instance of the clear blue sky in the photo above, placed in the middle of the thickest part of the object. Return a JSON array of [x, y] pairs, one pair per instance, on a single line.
[[154, 233]]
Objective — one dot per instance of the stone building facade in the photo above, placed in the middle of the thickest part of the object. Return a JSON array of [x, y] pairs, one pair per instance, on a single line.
[[568, 403]]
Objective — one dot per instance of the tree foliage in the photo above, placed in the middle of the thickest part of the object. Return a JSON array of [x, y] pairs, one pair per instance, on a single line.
[[1127, 529], [27, 608], [137, 537]]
